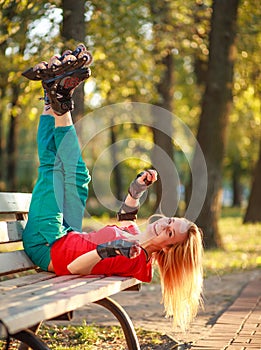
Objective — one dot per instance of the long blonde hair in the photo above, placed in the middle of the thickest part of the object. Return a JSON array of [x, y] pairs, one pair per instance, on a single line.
[[181, 274]]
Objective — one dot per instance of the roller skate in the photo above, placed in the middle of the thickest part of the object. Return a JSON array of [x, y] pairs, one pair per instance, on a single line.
[[61, 76]]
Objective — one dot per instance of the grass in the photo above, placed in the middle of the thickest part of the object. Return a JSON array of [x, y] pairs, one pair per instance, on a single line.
[[92, 337], [242, 247], [242, 251]]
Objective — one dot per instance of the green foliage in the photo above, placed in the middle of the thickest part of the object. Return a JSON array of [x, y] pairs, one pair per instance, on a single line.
[[120, 35], [19, 35], [245, 120], [122, 57]]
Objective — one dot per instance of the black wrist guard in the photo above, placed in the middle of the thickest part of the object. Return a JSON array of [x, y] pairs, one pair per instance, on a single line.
[[127, 213], [114, 248]]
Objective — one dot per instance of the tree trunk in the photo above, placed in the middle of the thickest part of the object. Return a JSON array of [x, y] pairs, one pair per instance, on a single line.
[[166, 187], [216, 106], [2, 162], [253, 213], [200, 15], [236, 185], [2, 147], [12, 142], [3, 90], [115, 164], [73, 32]]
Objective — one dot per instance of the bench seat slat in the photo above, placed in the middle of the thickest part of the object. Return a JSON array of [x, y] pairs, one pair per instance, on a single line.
[[49, 306], [46, 287], [43, 289], [33, 278]]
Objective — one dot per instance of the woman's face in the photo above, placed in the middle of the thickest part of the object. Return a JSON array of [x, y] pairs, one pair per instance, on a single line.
[[167, 231]]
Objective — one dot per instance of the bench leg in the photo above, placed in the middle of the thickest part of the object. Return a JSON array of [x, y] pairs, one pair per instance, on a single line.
[[30, 339], [125, 321], [34, 329]]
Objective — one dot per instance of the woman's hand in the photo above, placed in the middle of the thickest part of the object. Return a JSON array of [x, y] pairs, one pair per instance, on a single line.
[[147, 177]]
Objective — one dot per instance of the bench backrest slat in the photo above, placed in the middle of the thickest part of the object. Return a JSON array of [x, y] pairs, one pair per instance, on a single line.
[[14, 202], [15, 261], [11, 231], [13, 213]]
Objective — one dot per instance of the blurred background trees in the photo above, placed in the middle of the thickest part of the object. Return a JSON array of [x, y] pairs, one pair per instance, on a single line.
[[215, 110], [200, 60]]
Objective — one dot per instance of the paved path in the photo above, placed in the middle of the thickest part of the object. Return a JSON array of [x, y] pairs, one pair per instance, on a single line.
[[239, 327], [231, 319]]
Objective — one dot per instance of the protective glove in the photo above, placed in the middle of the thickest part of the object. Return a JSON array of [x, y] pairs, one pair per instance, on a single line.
[[137, 189], [118, 247]]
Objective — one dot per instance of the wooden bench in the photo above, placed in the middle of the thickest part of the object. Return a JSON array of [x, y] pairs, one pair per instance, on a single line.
[[33, 296]]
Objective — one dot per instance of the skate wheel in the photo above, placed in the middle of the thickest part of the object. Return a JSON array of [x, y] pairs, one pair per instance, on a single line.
[[86, 56], [81, 47], [69, 59], [66, 52], [54, 62], [40, 66]]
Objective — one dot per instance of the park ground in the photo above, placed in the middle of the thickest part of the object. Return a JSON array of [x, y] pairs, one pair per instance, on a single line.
[[154, 330], [147, 312]]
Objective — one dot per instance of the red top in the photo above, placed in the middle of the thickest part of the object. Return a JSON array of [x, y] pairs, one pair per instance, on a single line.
[[74, 244]]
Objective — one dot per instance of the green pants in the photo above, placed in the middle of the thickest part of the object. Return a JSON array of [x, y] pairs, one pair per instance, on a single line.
[[60, 193]]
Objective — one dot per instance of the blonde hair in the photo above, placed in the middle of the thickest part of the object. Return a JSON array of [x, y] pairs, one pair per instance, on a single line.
[[181, 274]]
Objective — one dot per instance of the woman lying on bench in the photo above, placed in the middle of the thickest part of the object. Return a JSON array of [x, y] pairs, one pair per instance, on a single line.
[[53, 237]]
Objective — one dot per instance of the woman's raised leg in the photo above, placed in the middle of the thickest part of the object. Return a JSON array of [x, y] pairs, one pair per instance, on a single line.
[[45, 219], [76, 175]]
